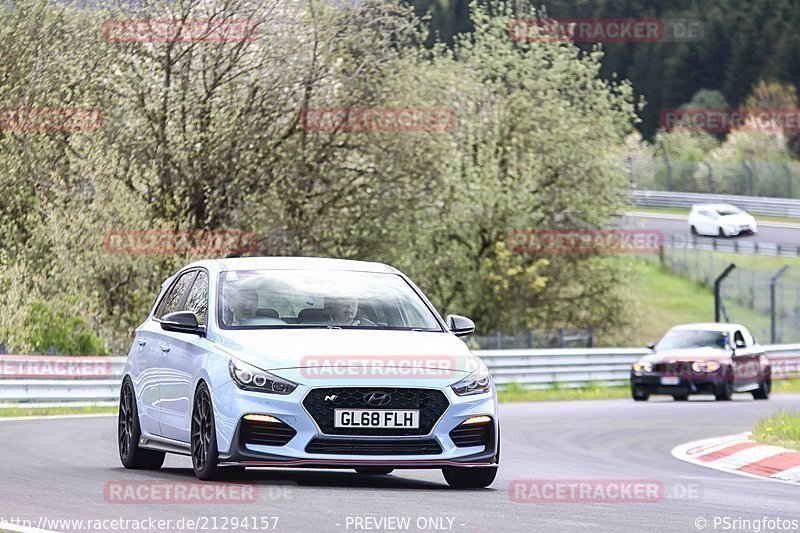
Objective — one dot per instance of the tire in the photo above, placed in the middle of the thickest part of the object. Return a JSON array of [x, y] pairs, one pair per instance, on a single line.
[[640, 394], [724, 392], [680, 397], [469, 478], [205, 455], [129, 432], [374, 470], [764, 388], [721, 234], [693, 230]]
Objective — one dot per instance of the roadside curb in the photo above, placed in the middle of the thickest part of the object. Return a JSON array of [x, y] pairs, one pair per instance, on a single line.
[[737, 454]]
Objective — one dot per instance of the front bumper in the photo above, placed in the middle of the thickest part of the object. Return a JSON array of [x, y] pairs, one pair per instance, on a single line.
[[231, 404], [651, 383]]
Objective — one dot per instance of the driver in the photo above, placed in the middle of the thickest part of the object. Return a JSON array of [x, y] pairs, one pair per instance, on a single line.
[[244, 306], [345, 310]]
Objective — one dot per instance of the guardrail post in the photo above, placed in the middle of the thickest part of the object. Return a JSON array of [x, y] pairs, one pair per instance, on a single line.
[[529, 338], [717, 284], [560, 339], [590, 336], [773, 282], [52, 350], [3, 349], [498, 340]]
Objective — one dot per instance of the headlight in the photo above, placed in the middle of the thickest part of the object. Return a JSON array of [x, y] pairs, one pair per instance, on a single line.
[[248, 377], [705, 366], [643, 367], [479, 382]]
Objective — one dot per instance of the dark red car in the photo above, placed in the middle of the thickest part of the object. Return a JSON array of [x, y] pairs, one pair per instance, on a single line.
[[715, 358]]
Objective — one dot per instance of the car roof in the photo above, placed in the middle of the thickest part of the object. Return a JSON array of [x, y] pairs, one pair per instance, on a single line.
[[715, 207], [293, 263], [708, 326]]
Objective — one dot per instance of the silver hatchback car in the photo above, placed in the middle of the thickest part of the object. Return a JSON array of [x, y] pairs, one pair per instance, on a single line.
[[306, 362]]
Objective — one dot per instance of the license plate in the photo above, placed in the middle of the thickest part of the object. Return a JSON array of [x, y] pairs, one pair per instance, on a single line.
[[384, 418], [670, 380]]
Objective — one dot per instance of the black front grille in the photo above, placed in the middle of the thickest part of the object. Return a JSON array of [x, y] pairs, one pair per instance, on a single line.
[[374, 447], [265, 433], [321, 403], [472, 434]]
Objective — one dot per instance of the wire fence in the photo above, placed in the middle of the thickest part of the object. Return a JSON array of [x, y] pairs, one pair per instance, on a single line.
[[559, 338], [747, 295], [777, 180]]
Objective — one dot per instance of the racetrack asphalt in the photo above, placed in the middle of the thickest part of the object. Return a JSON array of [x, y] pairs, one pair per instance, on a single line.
[[768, 232], [63, 468]]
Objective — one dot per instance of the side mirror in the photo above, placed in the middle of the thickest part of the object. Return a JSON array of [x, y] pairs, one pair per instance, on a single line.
[[740, 344], [461, 326], [182, 322], [651, 345]]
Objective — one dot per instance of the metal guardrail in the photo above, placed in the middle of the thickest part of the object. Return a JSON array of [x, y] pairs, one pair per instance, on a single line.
[[754, 204], [718, 244], [532, 369]]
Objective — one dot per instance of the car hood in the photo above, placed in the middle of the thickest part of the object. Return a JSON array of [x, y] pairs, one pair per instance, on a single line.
[[688, 355], [352, 356], [742, 218]]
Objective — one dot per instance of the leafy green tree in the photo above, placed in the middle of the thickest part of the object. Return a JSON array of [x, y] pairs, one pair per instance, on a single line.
[[52, 325]]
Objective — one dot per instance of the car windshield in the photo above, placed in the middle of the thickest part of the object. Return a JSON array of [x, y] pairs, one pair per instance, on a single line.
[[729, 210], [269, 299], [676, 340]]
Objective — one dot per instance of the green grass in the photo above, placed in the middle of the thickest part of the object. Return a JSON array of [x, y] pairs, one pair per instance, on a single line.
[[516, 393], [52, 411], [685, 212], [664, 300], [785, 385], [760, 263], [782, 429]]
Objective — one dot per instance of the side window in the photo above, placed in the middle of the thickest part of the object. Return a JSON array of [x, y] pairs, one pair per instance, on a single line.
[[172, 301], [738, 338], [197, 301]]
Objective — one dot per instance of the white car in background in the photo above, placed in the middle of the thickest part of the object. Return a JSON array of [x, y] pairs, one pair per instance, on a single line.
[[721, 220]]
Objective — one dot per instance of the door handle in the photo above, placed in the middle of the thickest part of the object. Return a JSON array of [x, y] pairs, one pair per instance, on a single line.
[[141, 342], [165, 348]]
